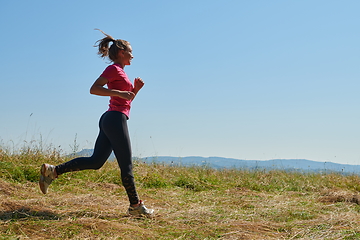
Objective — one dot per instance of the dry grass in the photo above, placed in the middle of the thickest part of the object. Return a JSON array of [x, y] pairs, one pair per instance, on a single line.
[[190, 203]]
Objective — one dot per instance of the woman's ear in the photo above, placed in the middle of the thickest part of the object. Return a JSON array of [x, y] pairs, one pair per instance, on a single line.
[[121, 53]]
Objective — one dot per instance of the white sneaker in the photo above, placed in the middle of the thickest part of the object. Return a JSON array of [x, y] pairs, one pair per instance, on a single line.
[[48, 174], [140, 210]]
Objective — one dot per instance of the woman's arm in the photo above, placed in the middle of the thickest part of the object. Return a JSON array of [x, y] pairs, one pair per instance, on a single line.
[[98, 89]]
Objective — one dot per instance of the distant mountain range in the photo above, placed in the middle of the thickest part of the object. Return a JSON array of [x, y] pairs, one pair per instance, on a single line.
[[302, 165]]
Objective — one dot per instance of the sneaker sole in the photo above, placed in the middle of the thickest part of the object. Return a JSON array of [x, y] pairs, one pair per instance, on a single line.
[[44, 181], [42, 185], [148, 213]]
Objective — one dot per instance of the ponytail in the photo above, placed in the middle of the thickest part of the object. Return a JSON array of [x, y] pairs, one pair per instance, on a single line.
[[112, 52]]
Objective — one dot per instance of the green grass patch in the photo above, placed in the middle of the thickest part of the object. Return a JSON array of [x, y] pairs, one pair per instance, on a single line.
[[190, 202]]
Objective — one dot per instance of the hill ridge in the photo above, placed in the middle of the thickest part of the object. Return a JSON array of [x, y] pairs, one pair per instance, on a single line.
[[228, 163]]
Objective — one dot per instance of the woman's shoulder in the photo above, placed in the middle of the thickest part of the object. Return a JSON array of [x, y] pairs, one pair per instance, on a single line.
[[113, 69], [113, 72]]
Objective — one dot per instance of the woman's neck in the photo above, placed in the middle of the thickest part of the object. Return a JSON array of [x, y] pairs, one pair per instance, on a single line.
[[120, 64]]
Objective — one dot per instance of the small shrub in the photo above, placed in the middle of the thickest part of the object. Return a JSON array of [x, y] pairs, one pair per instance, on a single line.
[[154, 180], [191, 184], [10, 171], [31, 174]]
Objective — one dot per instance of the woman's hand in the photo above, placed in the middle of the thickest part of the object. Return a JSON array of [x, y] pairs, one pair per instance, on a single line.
[[126, 95], [138, 84]]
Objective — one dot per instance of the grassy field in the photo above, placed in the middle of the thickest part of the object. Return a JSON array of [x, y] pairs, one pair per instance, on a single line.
[[190, 203]]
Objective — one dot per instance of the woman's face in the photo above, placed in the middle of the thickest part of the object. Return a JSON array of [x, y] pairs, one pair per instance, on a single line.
[[126, 56]]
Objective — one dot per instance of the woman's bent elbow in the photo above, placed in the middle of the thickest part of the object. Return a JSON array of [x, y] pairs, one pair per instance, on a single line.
[[92, 90]]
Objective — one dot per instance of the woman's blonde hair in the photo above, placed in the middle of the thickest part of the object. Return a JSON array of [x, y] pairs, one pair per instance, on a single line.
[[111, 52]]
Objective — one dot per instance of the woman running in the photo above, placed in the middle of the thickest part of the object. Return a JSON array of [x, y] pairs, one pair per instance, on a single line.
[[113, 135]]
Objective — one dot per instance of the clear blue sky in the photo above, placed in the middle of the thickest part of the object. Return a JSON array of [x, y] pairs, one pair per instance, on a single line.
[[240, 79]]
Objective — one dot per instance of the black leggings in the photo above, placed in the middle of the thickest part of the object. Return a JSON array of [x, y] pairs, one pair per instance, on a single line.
[[113, 136]]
